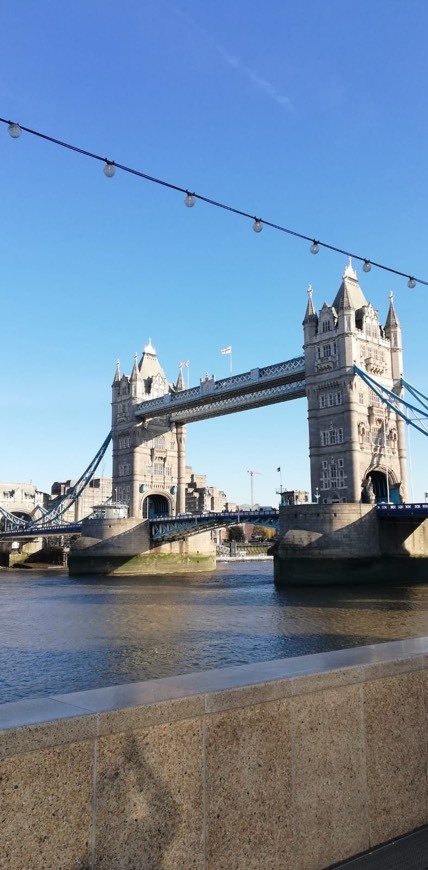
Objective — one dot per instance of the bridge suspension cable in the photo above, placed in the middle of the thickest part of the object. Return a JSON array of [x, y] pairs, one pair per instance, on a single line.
[[398, 403], [110, 167], [12, 520], [51, 517]]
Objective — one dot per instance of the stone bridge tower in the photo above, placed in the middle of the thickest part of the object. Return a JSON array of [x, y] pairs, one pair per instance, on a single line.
[[148, 458], [356, 443]]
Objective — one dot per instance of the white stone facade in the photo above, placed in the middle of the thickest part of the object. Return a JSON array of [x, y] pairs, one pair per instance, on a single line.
[[148, 459], [356, 443]]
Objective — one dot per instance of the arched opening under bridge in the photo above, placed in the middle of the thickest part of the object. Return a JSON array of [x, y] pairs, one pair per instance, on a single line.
[[378, 488], [20, 515], [155, 505]]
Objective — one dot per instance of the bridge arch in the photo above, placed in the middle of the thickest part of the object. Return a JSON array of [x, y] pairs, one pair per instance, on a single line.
[[380, 485], [20, 515], [155, 504]]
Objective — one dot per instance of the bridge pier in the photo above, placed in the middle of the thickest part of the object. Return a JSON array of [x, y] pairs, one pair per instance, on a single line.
[[342, 544], [123, 546]]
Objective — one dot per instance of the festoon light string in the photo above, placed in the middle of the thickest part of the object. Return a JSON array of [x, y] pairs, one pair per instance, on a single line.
[[110, 167]]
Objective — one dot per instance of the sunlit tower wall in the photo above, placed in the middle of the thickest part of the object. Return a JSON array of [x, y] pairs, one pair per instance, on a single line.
[[147, 457], [356, 443]]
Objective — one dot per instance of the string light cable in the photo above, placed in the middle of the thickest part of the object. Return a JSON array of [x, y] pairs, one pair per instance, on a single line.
[[109, 170]]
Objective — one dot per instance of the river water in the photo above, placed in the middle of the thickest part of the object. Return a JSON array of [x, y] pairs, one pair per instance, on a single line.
[[62, 634]]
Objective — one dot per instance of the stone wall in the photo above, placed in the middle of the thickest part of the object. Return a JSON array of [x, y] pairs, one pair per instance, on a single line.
[[123, 546], [345, 543], [295, 763]]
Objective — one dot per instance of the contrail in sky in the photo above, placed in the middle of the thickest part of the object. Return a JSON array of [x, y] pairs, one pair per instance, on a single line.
[[258, 81]]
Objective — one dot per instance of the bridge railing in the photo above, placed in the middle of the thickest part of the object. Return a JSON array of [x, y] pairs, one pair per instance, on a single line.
[[175, 528], [212, 387], [405, 509]]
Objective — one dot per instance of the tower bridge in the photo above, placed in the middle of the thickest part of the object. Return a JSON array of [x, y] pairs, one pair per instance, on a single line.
[[351, 376]]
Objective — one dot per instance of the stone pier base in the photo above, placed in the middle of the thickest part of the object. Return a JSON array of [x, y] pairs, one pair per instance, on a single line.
[[345, 544], [123, 546]]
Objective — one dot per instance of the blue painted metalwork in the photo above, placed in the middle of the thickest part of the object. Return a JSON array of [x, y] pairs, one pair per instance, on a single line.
[[252, 389], [45, 522], [176, 528], [391, 400], [415, 393], [386, 510], [58, 529], [12, 520]]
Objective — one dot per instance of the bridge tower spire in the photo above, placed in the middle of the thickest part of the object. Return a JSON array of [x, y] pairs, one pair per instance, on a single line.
[[149, 463], [356, 443]]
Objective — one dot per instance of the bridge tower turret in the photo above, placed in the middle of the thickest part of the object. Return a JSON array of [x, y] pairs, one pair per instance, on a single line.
[[393, 334], [148, 456], [356, 443]]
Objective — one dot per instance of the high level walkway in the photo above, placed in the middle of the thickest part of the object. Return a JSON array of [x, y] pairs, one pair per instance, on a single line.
[[260, 386]]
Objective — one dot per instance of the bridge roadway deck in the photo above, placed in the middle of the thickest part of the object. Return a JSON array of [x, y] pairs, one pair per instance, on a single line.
[[42, 532], [387, 510], [177, 528], [164, 528], [260, 386]]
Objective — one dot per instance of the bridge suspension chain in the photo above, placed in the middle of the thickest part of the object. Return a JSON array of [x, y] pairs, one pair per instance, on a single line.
[[398, 403], [52, 516]]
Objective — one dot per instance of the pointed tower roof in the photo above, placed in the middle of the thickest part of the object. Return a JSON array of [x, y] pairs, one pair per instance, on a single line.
[[349, 296], [392, 320], [310, 310], [151, 373], [180, 381], [117, 373], [135, 372], [149, 364]]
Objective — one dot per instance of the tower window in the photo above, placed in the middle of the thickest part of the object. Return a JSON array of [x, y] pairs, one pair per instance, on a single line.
[[331, 436]]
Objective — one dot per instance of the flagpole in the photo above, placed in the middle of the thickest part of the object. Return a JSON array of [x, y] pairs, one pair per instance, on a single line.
[[230, 361]]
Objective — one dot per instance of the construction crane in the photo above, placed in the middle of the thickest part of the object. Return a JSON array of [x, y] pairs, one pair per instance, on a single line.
[[251, 472]]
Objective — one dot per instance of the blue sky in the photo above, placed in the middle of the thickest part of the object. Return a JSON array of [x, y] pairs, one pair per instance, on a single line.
[[314, 117]]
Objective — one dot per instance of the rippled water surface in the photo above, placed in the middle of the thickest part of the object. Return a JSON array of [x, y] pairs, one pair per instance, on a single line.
[[61, 634]]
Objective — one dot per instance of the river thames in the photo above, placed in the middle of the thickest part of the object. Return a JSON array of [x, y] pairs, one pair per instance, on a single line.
[[62, 634]]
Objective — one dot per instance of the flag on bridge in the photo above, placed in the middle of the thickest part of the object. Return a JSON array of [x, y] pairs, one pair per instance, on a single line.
[[184, 365], [226, 349], [279, 468]]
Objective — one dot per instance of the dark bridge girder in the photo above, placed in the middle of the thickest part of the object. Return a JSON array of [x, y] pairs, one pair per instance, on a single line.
[[178, 528], [254, 389]]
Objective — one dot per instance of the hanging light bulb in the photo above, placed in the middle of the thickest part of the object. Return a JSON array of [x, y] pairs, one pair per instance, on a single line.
[[314, 247], [14, 130], [109, 169], [367, 266], [411, 283], [189, 200], [257, 225]]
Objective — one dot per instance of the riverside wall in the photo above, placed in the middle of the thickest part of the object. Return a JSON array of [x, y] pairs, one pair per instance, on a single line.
[[295, 763], [348, 543]]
